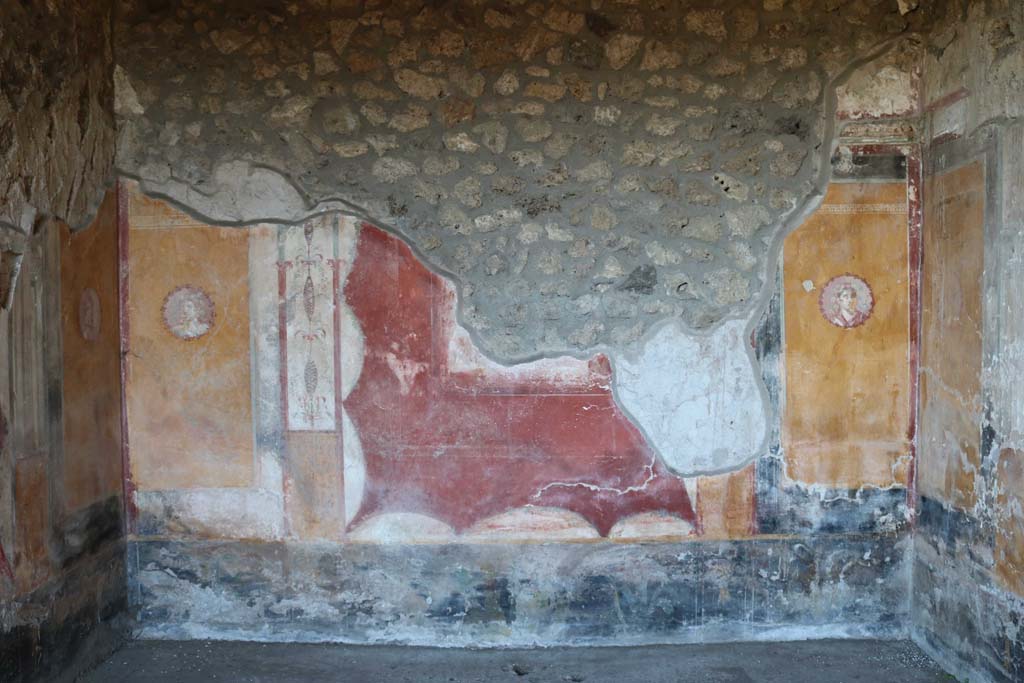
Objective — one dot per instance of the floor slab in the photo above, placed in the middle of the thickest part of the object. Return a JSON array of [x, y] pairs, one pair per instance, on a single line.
[[835, 661]]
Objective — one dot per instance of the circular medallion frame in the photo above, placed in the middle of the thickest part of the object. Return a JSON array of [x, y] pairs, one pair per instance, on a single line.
[[846, 301], [188, 313]]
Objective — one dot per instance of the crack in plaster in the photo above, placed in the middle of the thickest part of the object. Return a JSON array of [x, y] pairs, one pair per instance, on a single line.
[[600, 489]]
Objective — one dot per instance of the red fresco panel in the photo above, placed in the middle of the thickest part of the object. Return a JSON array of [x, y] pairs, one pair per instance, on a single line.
[[463, 446]]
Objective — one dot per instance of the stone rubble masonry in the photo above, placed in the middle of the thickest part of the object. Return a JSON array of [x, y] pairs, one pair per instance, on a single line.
[[56, 111], [582, 142]]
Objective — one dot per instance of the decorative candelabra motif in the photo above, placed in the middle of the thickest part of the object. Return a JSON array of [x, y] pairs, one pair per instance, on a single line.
[[312, 404], [308, 255]]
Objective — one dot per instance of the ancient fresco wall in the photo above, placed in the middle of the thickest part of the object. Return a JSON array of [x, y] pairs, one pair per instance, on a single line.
[[61, 541], [952, 326], [62, 574], [507, 286], [846, 283], [968, 547], [967, 601], [378, 422]]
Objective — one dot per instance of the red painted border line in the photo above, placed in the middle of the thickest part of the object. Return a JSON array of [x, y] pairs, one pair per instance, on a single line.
[[948, 99], [282, 336], [130, 511], [338, 426], [944, 138]]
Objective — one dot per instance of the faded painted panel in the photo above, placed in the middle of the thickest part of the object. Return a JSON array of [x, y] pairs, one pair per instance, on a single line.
[[1009, 517], [847, 336], [951, 323], [92, 367], [725, 504], [315, 491], [32, 519], [188, 381]]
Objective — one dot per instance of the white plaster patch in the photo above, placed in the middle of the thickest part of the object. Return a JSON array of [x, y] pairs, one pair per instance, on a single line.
[[242, 193], [649, 526], [353, 349], [126, 100], [402, 527], [531, 524], [884, 87], [697, 398], [354, 467], [405, 371], [224, 513], [950, 120]]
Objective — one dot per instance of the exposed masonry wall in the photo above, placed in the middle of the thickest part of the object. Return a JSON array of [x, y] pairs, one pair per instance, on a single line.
[[583, 169], [56, 110]]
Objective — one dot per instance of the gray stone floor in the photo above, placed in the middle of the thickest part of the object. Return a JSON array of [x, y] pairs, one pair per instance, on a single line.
[[834, 661]]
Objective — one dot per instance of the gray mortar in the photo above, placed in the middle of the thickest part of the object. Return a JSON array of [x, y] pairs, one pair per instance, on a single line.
[[559, 269]]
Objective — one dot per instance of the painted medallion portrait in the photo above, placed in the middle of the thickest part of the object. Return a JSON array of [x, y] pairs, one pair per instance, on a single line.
[[846, 301], [188, 313]]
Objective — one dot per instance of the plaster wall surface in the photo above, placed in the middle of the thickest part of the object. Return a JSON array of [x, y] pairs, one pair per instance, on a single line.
[[378, 426], [967, 599], [967, 591], [514, 275]]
